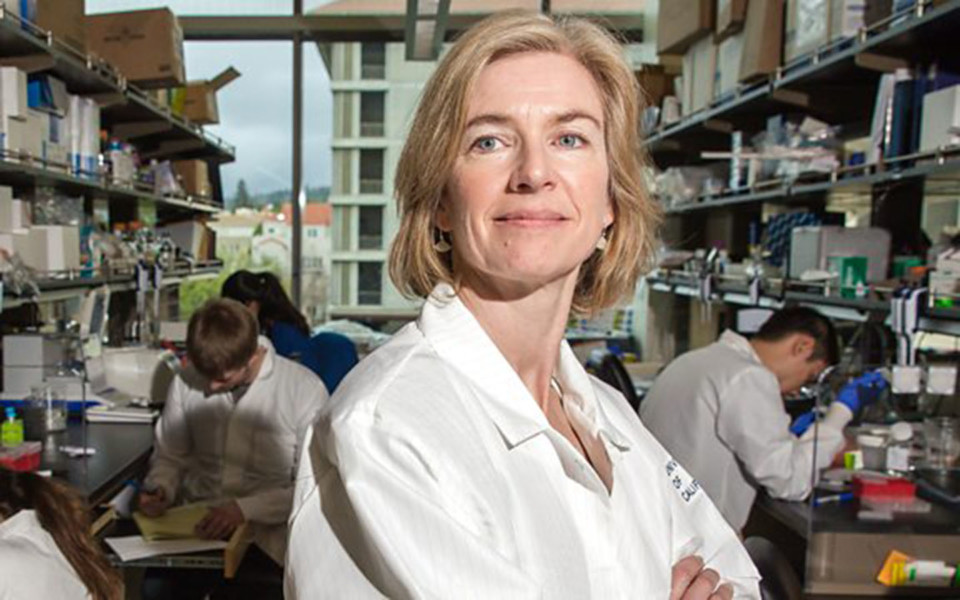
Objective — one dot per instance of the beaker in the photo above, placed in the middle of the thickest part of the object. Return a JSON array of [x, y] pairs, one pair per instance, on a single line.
[[942, 438]]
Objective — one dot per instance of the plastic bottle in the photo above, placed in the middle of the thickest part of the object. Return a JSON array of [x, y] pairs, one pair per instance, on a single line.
[[898, 447], [11, 431]]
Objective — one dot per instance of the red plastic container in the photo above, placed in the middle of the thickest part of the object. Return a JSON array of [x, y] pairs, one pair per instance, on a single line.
[[25, 457], [892, 488]]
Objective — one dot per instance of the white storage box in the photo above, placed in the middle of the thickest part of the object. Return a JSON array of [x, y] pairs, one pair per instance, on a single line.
[[941, 112], [49, 247], [812, 248]]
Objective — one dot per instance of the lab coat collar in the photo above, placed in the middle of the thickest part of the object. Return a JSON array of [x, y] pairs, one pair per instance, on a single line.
[[269, 360], [739, 343], [22, 523], [461, 341]]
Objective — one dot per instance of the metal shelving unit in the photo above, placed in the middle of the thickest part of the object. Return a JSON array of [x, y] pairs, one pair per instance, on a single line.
[[834, 83], [24, 174], [69, 285], [129, 114], [778, 292], [855, 178], [123, 105], [837, 84]]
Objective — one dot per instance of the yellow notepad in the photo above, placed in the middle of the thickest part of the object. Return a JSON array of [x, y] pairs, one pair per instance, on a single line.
[[176, 523]]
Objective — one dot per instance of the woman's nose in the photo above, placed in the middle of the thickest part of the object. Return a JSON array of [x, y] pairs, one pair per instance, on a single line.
[[532, 170]]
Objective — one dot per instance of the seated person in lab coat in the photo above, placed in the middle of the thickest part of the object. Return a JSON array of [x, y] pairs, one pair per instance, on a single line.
[[719, 411], [230, 433], [46, 550], [472, 456]]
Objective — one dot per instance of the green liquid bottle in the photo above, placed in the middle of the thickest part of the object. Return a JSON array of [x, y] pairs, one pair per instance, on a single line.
[[11, 431]]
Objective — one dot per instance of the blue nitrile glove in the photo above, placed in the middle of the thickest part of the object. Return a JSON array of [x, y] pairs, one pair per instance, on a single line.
[[862, 391], [802, 423]]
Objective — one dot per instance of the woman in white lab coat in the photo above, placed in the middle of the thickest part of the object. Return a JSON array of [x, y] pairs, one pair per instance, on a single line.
[[46, 550], [472, 456]]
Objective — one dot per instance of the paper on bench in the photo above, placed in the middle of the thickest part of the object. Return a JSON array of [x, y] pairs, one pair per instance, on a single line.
[[134, 547]]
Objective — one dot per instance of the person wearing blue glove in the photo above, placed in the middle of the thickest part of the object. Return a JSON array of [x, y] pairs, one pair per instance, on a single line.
[[857, 394], [719, 411]]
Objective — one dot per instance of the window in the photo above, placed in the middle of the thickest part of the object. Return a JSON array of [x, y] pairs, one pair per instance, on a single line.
[[371, 227], [373, 59], [371, 113], [312, 232], [371, 171], [369, 282]]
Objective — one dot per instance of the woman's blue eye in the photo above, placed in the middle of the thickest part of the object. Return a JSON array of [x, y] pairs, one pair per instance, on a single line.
[[570, 140], [486, 144]]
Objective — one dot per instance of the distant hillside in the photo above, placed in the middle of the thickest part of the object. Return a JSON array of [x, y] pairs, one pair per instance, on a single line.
[[276, 198]]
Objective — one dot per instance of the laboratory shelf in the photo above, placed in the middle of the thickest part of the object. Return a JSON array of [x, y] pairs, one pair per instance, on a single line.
[[777, 293], [127, 111], [28, 173], [855, 179], [833, 83], [73, 284]]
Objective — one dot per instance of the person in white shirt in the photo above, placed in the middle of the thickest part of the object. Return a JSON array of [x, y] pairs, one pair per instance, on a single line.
[[230, 434], [46, 550], [472, 456], [719, 411]]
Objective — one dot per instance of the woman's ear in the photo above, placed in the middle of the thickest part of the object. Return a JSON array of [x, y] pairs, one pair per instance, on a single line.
[[441, 218]]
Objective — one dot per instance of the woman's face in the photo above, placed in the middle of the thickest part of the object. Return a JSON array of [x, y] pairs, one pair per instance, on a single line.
[[528, 197]]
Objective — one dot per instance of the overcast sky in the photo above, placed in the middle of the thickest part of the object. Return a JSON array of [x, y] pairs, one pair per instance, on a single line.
[[256, 110]]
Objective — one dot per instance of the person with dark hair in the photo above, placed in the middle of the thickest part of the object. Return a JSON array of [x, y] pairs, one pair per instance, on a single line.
[[329, 355], [719, 411], [46, 550], [230, 434]]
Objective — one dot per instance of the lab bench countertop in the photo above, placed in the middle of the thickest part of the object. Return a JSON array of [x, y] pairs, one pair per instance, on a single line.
[[122, 451]]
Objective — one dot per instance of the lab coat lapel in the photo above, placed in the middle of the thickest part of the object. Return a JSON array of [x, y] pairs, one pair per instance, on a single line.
[[579, 389], [463, 344]]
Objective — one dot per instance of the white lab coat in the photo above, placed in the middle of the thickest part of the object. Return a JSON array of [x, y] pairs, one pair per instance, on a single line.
[[718, 410], [31, 564], [432, 473], [211, 447]]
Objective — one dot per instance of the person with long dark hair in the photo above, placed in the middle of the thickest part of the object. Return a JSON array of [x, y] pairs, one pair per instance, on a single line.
[[46, 550], [327, 354]]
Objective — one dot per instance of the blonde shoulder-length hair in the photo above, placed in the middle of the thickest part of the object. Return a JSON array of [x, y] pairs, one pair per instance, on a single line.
[[432, 145]]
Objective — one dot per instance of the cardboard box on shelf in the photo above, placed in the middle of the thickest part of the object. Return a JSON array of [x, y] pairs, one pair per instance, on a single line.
[[198, 100], [45, 92], [682, 22], [730, 17], [146, 46], [655, 82], [847, 18], [194, 177], [34, 133], [64, 19], [49, 247], [762, 39], [13, 92], [699, 74], [941, 113], [811, 24], [729, 55], [187, 235], [807, 27], [12, 132]]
